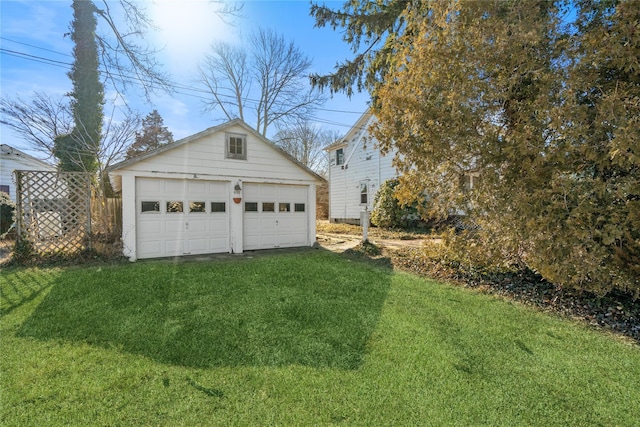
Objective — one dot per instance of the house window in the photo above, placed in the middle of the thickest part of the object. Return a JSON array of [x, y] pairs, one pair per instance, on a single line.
[[174, 207], [284, 207], [364, 193], [268, 207], [197, 207], [339, 156], [5, 189], [218, 207], [236, 146], [251, 207], [150, 207], [299, 207]]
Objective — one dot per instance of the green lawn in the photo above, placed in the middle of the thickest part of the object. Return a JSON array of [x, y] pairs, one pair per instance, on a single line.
[[294, 339]]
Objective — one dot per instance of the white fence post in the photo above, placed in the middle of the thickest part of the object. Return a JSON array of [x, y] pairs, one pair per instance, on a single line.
[[364, 222]]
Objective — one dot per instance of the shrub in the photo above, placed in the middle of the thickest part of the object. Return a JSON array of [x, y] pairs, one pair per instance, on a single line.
[[387, 210], [7, 212]]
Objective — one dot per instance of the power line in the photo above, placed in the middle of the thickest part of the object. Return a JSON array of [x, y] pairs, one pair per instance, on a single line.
[[173, 85], [34, 57], [36, 47]]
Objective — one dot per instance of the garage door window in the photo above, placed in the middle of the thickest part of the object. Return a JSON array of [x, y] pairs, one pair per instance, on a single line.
[[174, 207], [284, 207], [251, 207], [218, 207], [299, 207], [268, 207], [148, 207], [197, 207]]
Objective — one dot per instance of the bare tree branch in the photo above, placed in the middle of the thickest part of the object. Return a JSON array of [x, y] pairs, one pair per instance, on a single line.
[[39, 121], [305, 142], [276, 70], [226, 70], [124, 60]]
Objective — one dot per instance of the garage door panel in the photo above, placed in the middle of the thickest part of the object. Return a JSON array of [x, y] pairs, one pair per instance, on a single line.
[[264, 230], [149, 186], [197, 245], [219, 244], [216, 188], [150, 226], [174, 226], [151, 248], [197, 188], [161, 233], [174, 187], [174, 246], [219, 225], [198, 225]]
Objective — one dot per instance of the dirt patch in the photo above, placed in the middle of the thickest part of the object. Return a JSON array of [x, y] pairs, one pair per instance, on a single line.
[[343, 242]]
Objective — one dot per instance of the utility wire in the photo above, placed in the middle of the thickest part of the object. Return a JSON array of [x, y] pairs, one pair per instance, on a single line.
[[174, 85], [36, 47]]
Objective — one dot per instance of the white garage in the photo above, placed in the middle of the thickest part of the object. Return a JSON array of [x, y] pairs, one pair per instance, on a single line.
[[224, 190]]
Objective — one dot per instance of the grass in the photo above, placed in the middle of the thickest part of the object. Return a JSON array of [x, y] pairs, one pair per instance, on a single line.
[[324, 226], [294, 339]]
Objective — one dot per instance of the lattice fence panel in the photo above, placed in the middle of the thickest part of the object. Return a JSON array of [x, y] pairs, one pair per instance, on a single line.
[[54, 210]]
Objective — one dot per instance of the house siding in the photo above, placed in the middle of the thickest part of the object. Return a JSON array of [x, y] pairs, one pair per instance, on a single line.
[[364, 163], [12, 159]]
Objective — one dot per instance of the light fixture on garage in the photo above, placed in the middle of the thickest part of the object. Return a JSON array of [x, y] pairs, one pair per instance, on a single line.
[[237, 193]]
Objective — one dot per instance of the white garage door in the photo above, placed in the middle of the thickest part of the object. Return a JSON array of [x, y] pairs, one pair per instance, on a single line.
[[181, 217], [275, 216]]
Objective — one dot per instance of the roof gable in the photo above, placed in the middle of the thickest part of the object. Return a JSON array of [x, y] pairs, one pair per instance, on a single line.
[[8, 152], [360, 124], [186, 148]]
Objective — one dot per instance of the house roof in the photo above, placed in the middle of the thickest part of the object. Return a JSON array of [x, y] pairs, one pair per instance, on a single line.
[[6, 151], [359, 124], [209, 131]]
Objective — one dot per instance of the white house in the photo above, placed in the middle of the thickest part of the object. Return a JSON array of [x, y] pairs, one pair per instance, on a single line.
[[357, 168], [226, 189], [12, 159]]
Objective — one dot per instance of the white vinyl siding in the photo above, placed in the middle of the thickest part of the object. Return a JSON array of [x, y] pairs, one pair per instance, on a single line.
[[207, 156], [363, 164], [12, 159]]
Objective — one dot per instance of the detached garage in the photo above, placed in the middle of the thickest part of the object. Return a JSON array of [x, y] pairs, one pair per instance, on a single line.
[[224, 190]]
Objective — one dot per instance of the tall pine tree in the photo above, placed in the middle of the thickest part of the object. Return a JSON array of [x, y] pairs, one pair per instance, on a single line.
[[78, 151]]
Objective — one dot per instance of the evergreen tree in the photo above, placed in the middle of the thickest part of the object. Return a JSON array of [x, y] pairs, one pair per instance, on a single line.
[[153, 135], [373, 24], [78, 151], [544, 110]]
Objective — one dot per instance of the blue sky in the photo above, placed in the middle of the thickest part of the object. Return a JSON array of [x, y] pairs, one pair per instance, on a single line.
[[185, 33]]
